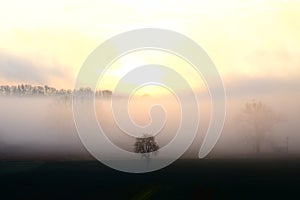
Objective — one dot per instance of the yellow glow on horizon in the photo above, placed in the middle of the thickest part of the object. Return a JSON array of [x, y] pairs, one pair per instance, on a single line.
[[132, 61], [244, 39]]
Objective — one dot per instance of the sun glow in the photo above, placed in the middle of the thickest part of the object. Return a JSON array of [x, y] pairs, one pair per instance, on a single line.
[[128, 63], [152, 91]]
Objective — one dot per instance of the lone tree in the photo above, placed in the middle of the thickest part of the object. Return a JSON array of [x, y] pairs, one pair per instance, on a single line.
[[146, 146], [262, 119]]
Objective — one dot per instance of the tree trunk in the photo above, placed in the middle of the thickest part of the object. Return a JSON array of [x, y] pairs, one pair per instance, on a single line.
[[258, 144], [257, 148]]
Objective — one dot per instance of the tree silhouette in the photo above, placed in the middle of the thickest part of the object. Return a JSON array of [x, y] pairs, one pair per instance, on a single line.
[[146, 146], [262, 120]]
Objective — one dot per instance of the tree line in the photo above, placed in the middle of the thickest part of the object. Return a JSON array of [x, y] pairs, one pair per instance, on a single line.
[[31, 90]]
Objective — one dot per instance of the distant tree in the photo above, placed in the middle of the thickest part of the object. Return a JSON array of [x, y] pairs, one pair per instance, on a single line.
[[146, 146], [262, 119], [106, 93]]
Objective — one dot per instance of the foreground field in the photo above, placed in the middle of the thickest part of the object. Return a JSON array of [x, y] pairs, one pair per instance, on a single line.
[[184, 179]]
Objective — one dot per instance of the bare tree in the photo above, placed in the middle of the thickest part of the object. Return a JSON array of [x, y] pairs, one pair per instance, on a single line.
[[261, 119], [146, 146]]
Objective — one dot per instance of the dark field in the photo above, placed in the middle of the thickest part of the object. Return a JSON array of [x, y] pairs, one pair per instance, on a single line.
[[184, 179]]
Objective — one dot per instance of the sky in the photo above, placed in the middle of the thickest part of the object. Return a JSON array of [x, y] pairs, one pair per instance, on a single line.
[[255, 46], [252, 43]]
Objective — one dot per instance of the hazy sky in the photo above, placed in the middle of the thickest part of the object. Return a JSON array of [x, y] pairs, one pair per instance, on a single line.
[[250, 42]]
